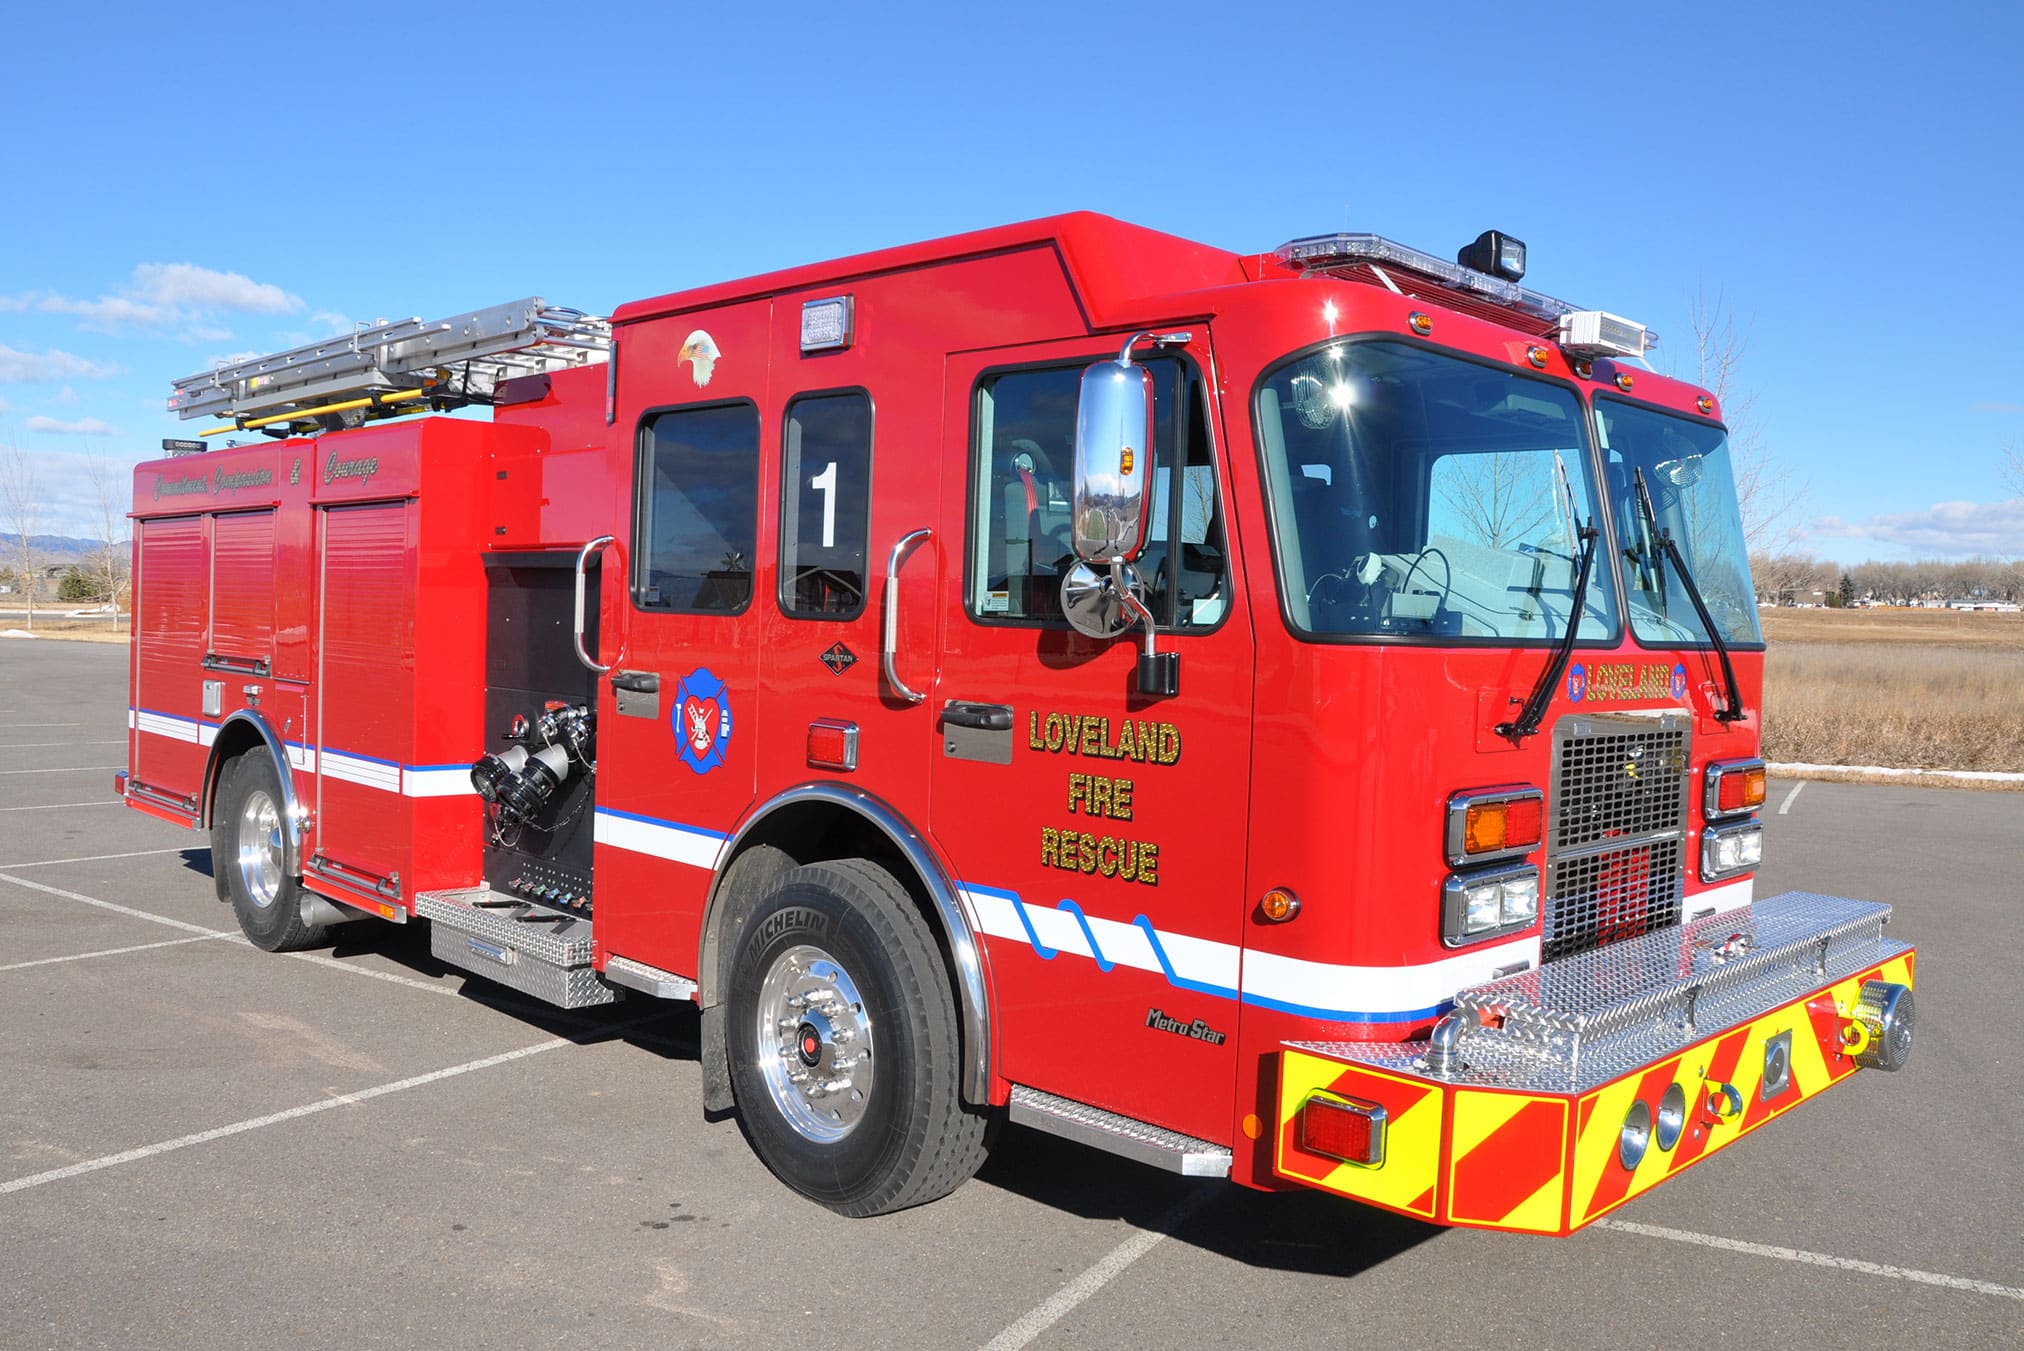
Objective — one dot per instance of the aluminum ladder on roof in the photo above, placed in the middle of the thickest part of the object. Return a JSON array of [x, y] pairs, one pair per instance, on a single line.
[[381, 369]]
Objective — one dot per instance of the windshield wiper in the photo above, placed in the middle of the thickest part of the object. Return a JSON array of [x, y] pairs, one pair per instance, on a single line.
[[1527, 722], [1669, 550]]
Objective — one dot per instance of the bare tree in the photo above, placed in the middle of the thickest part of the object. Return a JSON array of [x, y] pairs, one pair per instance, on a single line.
[[1501, 498], [109, 567], [21, 509], [1766, 493], [2013, 467]]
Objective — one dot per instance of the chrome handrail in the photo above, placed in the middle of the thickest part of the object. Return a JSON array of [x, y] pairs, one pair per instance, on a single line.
[[890, 638], [582, 558]]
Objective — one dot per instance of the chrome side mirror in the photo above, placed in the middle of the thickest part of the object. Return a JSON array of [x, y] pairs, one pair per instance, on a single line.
[[1094, 606], [1113, 460]]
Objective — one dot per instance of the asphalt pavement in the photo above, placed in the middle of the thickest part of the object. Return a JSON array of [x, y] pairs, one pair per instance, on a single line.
[[205, 1145]]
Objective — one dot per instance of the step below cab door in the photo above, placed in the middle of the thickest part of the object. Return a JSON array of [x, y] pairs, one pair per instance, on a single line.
[[1097, 833]]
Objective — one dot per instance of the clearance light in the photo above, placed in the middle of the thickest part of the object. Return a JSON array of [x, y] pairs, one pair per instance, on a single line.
[[1348, 1129], [1279, 905], [1732, 849], [832, 745], [1732, 786], [1480, 905], [1705, 404], [1492, 823], [1421, 324]]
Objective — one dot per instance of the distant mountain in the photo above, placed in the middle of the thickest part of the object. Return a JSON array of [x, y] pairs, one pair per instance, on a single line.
[[52, 548]]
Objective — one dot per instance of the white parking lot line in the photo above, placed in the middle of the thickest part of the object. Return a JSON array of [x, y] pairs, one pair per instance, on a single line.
[[1106, 1269], [229, 935], [116, 952], [99, 858], [1786, 805], [68, 769], [276, 1118], [64, 806], [1817, 1259]]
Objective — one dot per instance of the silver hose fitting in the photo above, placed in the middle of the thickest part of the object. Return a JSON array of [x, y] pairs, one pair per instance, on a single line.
[[1444, 1045]]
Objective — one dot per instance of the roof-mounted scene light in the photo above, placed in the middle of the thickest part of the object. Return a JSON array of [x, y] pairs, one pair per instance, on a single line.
[[1496, 253], [1594, 333]]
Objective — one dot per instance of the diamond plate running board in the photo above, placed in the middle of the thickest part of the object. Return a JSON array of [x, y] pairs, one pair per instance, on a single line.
[[1134, 1139]]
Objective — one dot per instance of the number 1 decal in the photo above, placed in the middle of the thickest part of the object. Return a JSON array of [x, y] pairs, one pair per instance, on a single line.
[[825, 483]]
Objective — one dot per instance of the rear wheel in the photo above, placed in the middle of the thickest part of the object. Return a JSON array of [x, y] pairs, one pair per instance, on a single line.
[[843, 1043], [249, 850]]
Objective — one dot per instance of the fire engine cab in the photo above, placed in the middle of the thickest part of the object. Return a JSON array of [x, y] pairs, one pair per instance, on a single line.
[[1289, 716]]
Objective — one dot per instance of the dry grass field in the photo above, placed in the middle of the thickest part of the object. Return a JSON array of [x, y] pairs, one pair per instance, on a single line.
[[1914, 689]]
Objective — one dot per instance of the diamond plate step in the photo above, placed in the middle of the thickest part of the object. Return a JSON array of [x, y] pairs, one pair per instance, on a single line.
[[649, 979], [526, 947], [542, 933], [1134, 1139]]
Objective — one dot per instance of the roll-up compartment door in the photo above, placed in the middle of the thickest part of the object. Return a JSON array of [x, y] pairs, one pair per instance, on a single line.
[[365, 694], [171, 625], [242, 592]]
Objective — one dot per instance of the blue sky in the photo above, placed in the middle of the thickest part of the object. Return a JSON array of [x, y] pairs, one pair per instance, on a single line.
[[183, 184]]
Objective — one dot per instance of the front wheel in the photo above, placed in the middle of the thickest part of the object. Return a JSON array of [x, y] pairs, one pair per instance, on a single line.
[[844, 1046], [249, 849]]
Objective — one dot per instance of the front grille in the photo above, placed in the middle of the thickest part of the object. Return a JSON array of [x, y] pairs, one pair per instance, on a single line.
[[1615, 852]]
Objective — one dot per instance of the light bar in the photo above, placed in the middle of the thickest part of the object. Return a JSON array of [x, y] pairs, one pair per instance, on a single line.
[[1318, 252], [1321, 251]]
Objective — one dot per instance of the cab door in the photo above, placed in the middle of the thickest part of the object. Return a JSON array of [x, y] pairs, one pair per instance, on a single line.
[[677, 742], [1097, 833]]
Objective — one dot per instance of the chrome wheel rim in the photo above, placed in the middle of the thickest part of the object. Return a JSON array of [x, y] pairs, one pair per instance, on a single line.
[[815, 1044], [261, 851]]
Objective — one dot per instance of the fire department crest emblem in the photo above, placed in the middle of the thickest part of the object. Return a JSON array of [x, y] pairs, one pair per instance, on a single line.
[[1679, 682], [1577, 683], [702, 720]]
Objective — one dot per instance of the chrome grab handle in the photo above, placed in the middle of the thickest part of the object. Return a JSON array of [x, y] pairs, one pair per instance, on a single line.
[[890, 640], [582, 559]]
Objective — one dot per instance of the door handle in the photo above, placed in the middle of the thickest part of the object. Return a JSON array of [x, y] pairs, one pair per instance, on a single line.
[[983, 717], [890, 640], [590, 663], [639, 682]]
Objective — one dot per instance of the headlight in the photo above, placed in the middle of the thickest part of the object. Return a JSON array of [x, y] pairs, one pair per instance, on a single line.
[[1727, 850], [1480, 905]]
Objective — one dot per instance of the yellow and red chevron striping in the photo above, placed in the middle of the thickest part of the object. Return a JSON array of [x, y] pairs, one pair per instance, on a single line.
[[1550, 1163]]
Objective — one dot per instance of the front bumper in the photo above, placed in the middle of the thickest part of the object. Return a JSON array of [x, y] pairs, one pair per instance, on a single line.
[[1748, 1013]]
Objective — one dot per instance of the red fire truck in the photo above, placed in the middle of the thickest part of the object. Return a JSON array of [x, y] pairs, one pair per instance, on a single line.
[[1291, 717]]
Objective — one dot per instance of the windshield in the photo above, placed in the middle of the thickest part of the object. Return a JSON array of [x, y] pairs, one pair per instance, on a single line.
[[1415, 494], [1687, 469]]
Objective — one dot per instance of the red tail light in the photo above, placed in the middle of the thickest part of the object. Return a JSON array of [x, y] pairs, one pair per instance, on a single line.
[[1348, 1129]]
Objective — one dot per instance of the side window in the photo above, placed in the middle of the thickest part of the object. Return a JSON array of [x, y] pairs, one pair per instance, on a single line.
[[825, 517], [1023, 448], [699, 509]]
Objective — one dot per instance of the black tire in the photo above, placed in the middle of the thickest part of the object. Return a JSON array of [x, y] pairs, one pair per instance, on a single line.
[[269, 908], [910, 1139]]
